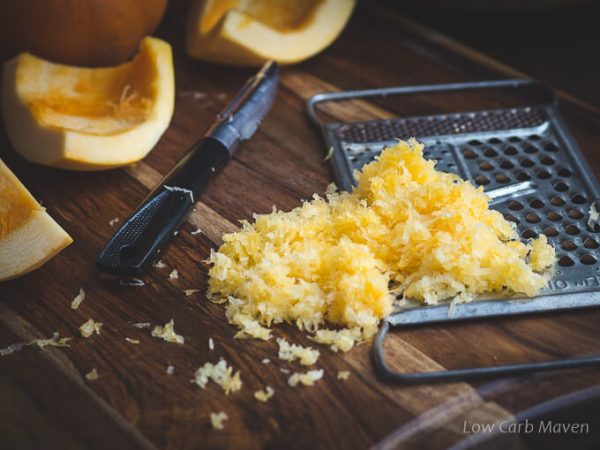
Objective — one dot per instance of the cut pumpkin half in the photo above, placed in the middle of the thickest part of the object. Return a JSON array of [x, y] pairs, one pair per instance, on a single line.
[[28, 235], [89, 119], [250, 32]]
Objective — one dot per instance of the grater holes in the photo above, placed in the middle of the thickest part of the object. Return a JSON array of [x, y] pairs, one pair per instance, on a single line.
[[486, 166], [529, 234], [522, 176], [512, 218], [588, 260], [565, 261], [482, 180], [502, 178], [564, 172], [568, 245], [547, 161], [506, 165], [591, 243], [515, 206], [490, 152], [389, 129], [579, 199], [532, 218], [495, 141], [551, 147], [514, 139], [534, 137], [550, 231], [575, 214], [469, 154], [510, 151], [557, 201], [572, 229], [530, 149], [526, 162], [536, 203], [474, 142], [561, 187], [554, 216], [543, 174]]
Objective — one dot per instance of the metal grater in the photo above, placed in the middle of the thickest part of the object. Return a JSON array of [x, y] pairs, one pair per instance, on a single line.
[[529, 164]]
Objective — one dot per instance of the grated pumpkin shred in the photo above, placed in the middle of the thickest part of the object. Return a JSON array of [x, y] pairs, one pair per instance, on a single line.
[[167, 333], [54, 341], [307, 379], [217, 420], [90, 327], [406, 229], [343, 375], [265, 394], [289, 352], [220, 373], [78, 299]]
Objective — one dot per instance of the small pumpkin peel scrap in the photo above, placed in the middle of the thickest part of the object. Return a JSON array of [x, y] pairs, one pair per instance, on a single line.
[[405, 229]]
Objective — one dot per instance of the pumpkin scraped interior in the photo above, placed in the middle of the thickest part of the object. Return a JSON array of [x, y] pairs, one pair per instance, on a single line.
[[94, 101], [281, 16], [84, 118], [28, 235], [249, 32]]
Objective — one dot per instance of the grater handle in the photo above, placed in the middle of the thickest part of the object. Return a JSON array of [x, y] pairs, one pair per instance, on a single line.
[[424, 89], [473, 373]]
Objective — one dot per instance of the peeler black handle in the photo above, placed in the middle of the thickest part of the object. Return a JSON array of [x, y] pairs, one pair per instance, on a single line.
[[139, 240]]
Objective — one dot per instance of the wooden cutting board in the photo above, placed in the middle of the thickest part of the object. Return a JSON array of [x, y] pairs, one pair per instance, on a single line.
[[45, 399]]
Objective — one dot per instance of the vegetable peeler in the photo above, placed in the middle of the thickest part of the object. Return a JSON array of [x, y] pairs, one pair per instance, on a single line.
[[136, 244]]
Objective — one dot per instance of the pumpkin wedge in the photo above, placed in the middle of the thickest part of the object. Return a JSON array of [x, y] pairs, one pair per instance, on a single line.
[[249, 32], [89, 119], [28, 235]]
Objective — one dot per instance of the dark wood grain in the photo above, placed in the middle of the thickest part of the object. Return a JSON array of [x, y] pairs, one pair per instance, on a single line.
[[44, 395]]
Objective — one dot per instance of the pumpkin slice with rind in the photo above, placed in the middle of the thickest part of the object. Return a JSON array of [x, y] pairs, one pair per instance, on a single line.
[[89, 118], [249, 32], [28, 235]]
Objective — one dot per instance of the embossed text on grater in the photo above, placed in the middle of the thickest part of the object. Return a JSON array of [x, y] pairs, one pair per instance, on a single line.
[[500, 148]]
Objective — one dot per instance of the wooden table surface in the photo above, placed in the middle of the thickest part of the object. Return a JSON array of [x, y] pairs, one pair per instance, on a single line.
[[46, 401]]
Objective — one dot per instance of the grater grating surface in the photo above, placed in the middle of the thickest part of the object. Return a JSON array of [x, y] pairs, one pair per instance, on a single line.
[[527, 148], [528, 163]]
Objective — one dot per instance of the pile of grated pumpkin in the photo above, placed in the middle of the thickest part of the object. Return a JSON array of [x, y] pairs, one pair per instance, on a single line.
[[405, 230]]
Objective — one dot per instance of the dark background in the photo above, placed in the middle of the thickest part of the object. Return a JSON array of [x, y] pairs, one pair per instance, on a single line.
[[557, 43]]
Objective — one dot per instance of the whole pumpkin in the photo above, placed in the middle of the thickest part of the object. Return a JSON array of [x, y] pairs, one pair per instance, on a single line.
[[77, 32]]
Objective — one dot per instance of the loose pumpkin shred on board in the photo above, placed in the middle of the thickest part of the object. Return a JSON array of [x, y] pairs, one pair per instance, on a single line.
[[406, 229], [167, 333], [220, 373]]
